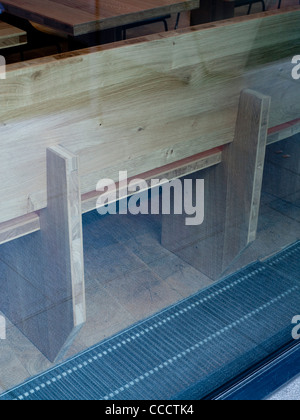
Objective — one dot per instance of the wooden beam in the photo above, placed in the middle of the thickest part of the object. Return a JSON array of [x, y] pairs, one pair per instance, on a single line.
[[168, 172], [42, 286], [232, 196], [19, 227], [244, 161], [30, 223], [283, 131]]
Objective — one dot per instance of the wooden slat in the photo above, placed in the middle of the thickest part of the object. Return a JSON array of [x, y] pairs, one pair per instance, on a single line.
[[19, 227], [42, 275], [62, 228], [232, 196], [141, 104], [11, 36], [30, 223], [245, 160]]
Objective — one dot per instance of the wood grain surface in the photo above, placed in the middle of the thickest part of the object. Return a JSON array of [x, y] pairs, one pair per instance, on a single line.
[[232, 196], [42, 275], [141, 104]]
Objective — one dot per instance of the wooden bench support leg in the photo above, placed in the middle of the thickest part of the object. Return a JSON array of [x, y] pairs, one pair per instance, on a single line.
[[245, 160], [232, 196], [42, 275]]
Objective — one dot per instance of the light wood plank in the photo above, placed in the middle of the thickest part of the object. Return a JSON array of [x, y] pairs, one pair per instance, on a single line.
[[19, 227], [42, 283], [245, 160], [30, 223], [139, 105], [167, 106], [232, 196]]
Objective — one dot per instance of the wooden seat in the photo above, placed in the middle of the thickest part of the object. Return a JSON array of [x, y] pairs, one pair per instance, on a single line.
[[73, 120], [11, 36]]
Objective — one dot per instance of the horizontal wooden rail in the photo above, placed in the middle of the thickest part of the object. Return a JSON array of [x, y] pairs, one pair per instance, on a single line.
[[30, 223], [283, 131], [168, 172], [19, 227]]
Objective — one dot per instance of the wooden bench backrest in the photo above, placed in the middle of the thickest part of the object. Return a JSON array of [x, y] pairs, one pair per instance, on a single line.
[[140, 104]]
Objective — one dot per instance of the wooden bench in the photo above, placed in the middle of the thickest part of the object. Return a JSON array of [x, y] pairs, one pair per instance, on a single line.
[[11, 36], [165, 105]]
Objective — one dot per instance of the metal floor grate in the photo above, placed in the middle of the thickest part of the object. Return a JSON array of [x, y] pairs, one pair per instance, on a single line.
[[203, 342]]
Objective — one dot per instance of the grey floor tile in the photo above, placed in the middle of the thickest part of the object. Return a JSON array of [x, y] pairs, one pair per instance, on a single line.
[[142, 293]]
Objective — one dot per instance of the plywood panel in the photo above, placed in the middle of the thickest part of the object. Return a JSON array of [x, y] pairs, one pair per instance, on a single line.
[[42, 288], [232, 196]]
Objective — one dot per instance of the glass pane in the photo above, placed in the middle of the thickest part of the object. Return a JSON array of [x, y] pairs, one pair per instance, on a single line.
[[149, 221]]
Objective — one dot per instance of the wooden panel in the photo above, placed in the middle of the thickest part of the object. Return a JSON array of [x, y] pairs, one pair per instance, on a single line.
[[80, 17], [11, 36], [245, 159], [232, 196], [42, 275], [283, 131], [169, 172], [141, 104], [19, 227]]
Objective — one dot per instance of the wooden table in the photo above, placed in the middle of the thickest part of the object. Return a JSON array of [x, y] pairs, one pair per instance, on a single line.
[[80, 17], [11, 36]]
